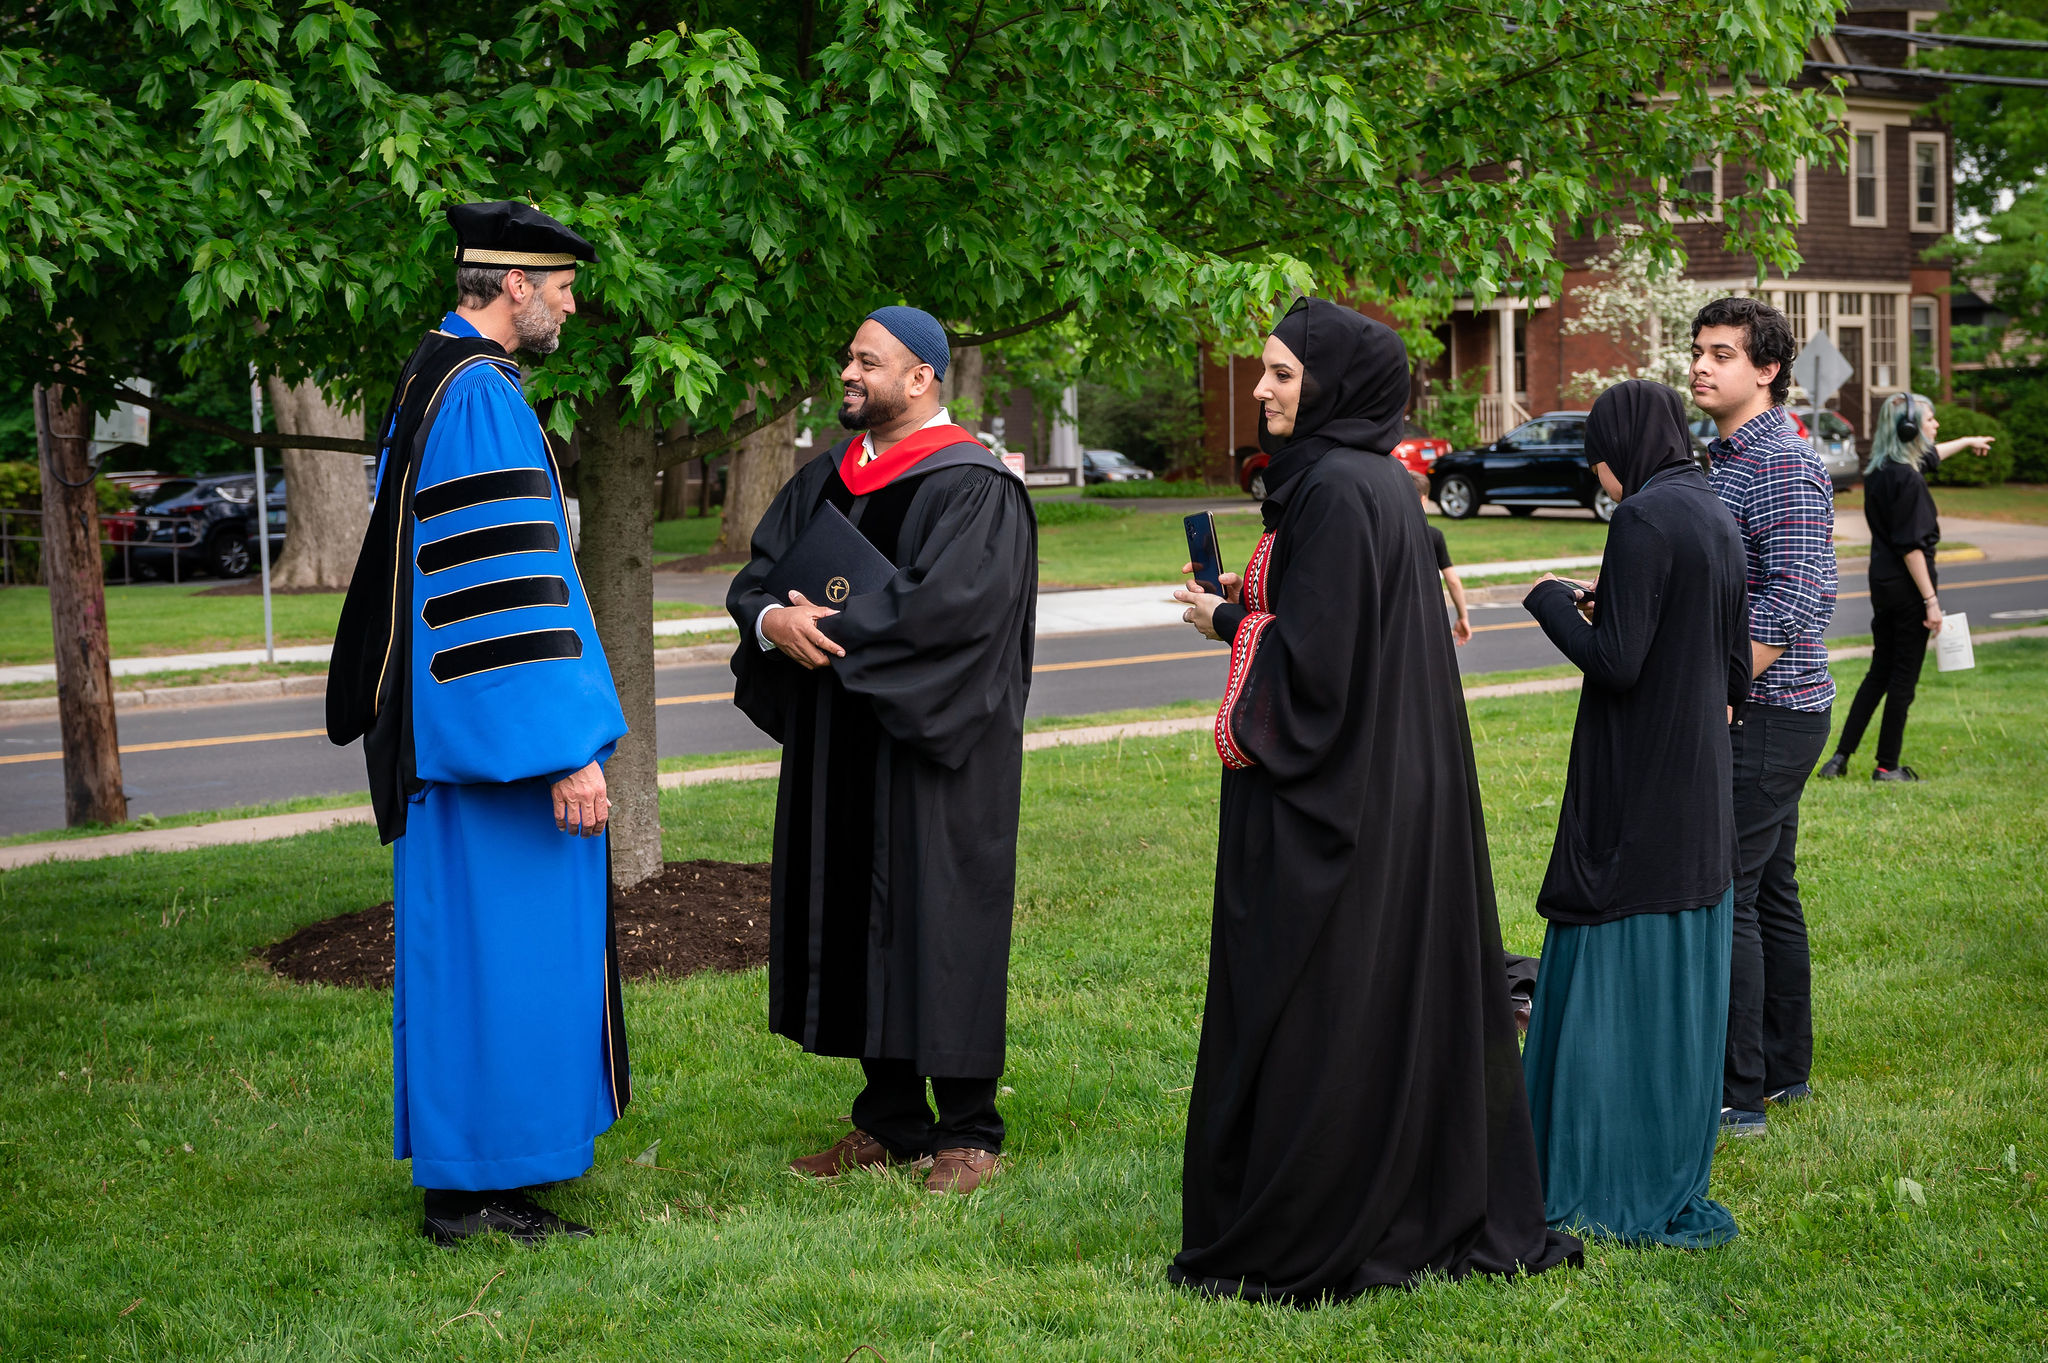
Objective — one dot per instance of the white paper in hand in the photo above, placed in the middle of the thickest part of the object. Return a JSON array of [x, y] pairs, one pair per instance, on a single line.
[[1952, 651]]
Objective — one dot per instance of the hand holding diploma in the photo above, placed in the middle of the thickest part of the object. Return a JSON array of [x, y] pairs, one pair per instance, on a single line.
[[794, 630]]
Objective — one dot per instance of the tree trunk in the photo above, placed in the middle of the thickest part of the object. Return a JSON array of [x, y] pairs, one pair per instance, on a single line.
[[760, 465], [675, 491], [328, 499], [964, 388], [616, 562], [78, 613]]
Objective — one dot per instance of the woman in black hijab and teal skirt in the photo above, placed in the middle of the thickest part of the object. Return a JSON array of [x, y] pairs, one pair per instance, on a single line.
[[1626, 1036], [1357, 1118]]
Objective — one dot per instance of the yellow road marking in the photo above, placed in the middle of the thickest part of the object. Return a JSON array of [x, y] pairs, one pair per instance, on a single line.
[[697, 699], [127, 748], [1126, 662]]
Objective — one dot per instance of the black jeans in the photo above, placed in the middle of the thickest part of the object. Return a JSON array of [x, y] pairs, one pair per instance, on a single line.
[[1770, 988], [892, 1109], [1898, 634]]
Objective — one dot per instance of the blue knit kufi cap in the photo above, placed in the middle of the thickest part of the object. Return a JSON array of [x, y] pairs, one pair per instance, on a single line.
[[919, 331]]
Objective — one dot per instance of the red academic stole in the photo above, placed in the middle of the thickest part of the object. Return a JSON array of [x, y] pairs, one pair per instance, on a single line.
[[902, 457]]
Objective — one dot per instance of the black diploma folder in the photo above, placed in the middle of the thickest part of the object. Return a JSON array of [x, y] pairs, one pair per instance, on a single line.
[[830, 563]]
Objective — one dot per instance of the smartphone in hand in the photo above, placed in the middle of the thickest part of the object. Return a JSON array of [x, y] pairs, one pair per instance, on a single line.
[[1204, 553]]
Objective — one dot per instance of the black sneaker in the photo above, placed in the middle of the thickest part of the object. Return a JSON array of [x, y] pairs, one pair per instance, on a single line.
[[1791, 1093], [1835, 766], [508, 1213], [1898, 773], [1737, 1121]]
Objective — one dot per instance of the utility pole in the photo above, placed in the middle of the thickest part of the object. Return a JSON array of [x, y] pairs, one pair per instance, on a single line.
[[78, 611]]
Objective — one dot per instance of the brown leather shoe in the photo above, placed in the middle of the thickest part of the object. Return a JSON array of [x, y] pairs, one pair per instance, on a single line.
[[855, 1150], [962, 1170]]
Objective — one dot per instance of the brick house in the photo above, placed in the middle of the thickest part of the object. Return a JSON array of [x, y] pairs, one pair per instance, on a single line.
[[1861, 235]]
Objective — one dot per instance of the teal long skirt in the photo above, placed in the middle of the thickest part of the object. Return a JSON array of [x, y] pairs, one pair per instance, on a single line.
[[1624, 1066]]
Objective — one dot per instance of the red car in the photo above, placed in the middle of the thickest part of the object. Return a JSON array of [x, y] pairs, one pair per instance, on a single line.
[[1417, 452]]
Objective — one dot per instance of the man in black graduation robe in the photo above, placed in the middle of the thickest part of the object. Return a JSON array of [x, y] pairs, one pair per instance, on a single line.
[[901, 715]]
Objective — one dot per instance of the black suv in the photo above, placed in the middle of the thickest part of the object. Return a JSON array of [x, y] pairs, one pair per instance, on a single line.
[[1539, 463], [208, 523]]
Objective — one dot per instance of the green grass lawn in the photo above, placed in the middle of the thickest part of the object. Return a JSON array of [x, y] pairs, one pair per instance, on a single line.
[[693, 534], [156, 620], [2022, 502], [194, 1156]]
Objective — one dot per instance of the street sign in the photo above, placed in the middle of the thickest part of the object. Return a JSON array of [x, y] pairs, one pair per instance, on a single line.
[[1821, 370]]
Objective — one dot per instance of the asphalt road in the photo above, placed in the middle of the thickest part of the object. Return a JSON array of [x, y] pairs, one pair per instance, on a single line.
[[215, 756]]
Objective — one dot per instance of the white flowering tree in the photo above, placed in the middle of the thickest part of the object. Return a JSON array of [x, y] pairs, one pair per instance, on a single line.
[[1645, 307]]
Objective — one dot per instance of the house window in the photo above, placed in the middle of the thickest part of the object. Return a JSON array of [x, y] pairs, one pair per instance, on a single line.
[[1698, 192], [1923, 332], [1866, 179], [1823, 320], [1796, 185], [1930, 184], [1848, 305], [1795, 314], [1884, 342]]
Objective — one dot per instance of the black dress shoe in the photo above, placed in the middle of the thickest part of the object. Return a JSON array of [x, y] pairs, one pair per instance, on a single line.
[[1898, 773], [1838, 765], [510, 1213]]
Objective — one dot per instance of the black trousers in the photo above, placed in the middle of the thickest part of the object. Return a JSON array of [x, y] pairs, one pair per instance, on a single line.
[[1770, 985], [1898, 633], [893, 1110]]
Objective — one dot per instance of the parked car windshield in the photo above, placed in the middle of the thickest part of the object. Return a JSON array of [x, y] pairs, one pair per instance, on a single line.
[[176, 491], [1111, 459], [1547, 431]]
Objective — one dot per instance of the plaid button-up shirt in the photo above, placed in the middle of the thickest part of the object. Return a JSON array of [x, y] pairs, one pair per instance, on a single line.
[[1784, 505]]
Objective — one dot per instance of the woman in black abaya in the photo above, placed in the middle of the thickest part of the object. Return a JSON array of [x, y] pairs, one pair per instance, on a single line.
[[1358, 1117]]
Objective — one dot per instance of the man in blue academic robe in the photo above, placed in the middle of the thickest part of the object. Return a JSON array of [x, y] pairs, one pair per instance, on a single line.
[[467, 661]]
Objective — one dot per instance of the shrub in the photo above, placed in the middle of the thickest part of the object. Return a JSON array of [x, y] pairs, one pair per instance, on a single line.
[[2027, 422], [1968, 470], [1074, 513], [1162, 488]]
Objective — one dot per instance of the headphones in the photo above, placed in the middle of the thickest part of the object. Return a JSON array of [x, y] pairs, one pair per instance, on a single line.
[[1908, 427]]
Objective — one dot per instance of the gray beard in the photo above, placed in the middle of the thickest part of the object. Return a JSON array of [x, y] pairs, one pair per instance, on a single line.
[[538, 330]]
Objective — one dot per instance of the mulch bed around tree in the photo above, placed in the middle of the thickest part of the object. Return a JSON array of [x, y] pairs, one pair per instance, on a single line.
[[695, 915]]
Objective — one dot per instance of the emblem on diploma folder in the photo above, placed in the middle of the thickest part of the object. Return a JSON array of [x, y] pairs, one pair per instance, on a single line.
[[830, 563]]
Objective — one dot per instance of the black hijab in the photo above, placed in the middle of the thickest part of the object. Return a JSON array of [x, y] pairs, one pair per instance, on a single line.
[[1354, 387], [1638, 430]]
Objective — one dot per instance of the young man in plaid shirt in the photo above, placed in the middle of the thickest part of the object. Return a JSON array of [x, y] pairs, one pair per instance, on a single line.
[[1783, 502]]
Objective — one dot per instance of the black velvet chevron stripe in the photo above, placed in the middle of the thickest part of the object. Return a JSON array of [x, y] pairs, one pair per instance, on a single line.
[[507, 650], [509, 594], [499, 485], [493, 541]]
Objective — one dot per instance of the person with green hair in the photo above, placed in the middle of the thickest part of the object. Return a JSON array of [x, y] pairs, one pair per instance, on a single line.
[[1904, 608]]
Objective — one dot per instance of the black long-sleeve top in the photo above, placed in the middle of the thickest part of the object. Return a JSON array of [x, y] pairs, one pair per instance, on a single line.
[[1648, 821], [1900, 513]]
